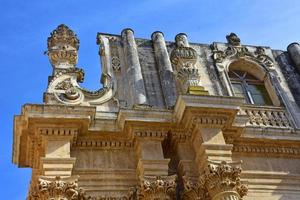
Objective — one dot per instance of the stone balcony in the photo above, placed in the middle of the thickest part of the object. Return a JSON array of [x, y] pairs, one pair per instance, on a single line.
[[262, 116]]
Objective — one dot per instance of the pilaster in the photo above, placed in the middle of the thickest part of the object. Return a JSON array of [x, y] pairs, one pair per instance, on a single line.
[[57, 160], [164, 68], [134, 71]]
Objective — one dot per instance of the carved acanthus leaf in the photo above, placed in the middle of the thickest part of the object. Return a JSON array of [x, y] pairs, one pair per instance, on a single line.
[[157, 188], [57, 188], [223, 178], [193, 189]]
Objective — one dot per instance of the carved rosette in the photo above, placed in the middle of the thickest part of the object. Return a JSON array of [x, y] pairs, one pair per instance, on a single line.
[[184, 59], [222, 181], [62, 47], [57, 189], [152, 188]]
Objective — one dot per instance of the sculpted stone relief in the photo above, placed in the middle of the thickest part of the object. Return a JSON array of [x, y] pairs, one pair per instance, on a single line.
[[154, 188], [220, 181], [63, 86], [235, 50], [57, 189], [184, 59]]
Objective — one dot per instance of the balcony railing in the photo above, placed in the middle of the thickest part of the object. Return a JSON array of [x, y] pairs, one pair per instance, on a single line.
[[262, 116]]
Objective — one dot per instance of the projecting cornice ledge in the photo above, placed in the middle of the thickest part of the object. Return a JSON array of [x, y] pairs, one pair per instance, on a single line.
[[72, 122], [37, 121], [209, 111]]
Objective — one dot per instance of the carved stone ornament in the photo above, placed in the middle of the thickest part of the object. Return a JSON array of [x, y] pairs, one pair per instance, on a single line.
[[234, 51], [233, 39], [62, 47], [184, 58], [155, 188], [192, 189], [63, 85], [262, 57], [222, 181], [57, 189]]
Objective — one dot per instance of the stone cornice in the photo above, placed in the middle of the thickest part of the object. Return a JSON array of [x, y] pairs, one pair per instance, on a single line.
[[266, 150], [78, 122]]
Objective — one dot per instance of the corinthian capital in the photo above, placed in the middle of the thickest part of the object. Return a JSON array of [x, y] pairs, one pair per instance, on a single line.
[[57, 189], [222, 181], [152, 188]]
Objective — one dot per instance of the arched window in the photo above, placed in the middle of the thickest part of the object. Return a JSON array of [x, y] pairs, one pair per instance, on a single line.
[[252, 89]]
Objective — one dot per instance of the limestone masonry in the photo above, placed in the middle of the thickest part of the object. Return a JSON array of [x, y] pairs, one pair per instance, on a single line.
[[173, 120]]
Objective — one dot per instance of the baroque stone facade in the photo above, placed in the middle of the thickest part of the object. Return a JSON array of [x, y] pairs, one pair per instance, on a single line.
[[172, 120]]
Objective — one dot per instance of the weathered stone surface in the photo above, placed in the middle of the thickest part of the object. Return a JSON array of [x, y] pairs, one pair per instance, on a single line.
[[167, 123]]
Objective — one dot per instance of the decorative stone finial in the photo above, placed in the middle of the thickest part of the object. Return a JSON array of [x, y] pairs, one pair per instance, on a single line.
[[63, 45], [233, 39], [184, 59]]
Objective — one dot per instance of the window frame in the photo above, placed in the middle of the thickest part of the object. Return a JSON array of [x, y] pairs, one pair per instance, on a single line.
[[246, 80]]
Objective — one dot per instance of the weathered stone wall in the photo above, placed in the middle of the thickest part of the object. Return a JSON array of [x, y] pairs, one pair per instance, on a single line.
[[166, 124]]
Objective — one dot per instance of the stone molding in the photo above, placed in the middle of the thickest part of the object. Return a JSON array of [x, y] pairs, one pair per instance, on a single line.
[[267, 150], [104, 144]]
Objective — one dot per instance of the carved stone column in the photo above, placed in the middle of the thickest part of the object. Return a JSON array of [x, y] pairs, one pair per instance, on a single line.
[[134, 71], [165, 68]]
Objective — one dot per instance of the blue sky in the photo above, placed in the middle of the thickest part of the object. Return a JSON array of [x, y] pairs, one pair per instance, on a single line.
[[25, 26]]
